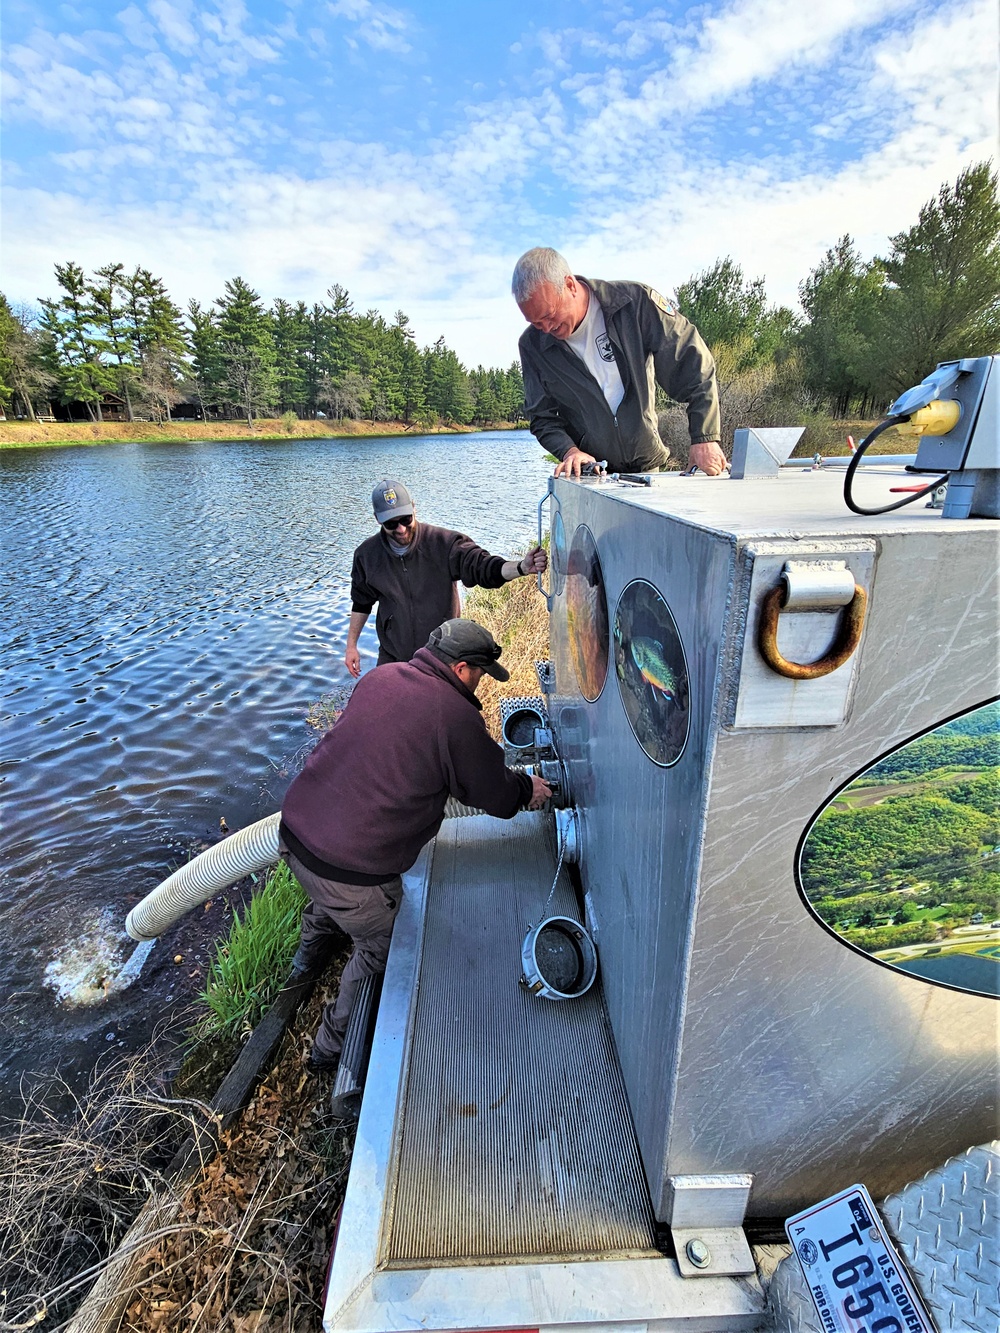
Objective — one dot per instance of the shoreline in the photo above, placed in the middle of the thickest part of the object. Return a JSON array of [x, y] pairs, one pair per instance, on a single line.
[[827, 441], [45, 434]]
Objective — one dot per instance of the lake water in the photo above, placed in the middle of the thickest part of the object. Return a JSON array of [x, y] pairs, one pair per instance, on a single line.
[[963, 970], [167, 615]]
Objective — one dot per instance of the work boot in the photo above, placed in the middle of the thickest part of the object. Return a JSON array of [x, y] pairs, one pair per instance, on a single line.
[[309, 960], [318, 1062]]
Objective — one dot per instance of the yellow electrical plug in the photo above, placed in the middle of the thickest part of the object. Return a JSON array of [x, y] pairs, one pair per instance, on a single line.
[[937, 418]]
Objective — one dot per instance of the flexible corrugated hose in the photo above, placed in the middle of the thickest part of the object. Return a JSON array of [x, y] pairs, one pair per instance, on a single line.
[[252, 848], [249, 849]]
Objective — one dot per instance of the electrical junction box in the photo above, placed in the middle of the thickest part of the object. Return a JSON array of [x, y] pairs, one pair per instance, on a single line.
[[974, 442]]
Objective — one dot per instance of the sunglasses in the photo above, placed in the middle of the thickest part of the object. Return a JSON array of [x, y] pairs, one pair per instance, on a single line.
[[391, 524]]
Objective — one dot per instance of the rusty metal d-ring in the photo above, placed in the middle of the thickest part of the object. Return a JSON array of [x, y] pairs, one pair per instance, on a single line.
[[852, 622]]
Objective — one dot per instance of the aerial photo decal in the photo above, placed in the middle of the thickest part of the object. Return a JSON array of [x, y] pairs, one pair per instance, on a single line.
[[652, 672], [904, 863], [587, 614]]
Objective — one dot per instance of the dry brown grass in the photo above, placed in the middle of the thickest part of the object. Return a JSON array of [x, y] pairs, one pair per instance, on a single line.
[[517, 618], [71, 1184], [14, 434], [251, 1243]]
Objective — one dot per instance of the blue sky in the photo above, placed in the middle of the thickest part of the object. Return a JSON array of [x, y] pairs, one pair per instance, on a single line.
[[411, 152]]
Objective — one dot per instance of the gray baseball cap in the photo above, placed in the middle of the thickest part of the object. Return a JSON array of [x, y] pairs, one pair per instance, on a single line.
[[391, 499], [465, 641]]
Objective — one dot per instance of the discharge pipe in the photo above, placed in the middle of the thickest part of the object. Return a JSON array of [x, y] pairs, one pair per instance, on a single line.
[[249, 849], [242, 853]]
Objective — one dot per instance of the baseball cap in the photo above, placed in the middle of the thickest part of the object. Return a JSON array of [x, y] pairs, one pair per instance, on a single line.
[[391, 499], [465, 641]]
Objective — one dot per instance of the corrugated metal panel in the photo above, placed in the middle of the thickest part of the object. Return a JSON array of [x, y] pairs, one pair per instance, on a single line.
[[516, 1140]]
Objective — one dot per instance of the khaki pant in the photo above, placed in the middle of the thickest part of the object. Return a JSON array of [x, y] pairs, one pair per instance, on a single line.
[[367, 913]]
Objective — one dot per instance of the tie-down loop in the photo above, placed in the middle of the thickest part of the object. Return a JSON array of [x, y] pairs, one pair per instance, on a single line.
[[793, 593]]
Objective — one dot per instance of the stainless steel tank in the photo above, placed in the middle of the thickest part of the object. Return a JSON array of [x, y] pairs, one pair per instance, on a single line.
[[751, 1038]]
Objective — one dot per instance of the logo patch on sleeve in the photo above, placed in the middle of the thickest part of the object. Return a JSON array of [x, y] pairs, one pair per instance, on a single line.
[[665, 303]]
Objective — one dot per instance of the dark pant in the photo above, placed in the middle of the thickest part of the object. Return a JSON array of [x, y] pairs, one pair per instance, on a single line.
[[366, 912]]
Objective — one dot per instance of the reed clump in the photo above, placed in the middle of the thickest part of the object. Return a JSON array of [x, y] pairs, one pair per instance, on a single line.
[[252, 962]]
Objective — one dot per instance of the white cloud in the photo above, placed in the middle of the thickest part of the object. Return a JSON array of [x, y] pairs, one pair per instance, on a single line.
[[174, 22], [381, 26], [436, 230], [780, 227], [752, 40]]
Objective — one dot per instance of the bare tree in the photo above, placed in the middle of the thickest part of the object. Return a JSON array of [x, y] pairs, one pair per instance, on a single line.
[[248, 379], [157, 388], [22, 369], [344, 397]]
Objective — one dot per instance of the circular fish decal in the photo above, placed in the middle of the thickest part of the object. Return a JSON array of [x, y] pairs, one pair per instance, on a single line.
[[587, 614], [652, 672], [557, 565]]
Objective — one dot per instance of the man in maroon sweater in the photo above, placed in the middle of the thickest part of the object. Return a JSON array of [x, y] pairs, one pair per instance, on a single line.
[[374, 791]]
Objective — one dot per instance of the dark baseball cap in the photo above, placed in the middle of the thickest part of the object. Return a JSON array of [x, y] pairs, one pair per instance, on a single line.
[[465, 641], [391, 499]]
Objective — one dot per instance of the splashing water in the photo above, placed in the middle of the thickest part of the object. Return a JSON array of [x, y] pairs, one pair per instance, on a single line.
[[93, 967]]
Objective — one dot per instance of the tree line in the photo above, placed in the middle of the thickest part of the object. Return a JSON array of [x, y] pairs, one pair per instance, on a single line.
[[119, 332], [910, 869], [939, 750], [867, 330]]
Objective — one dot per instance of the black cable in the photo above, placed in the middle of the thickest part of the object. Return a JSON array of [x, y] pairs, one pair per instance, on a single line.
[[852, 467]]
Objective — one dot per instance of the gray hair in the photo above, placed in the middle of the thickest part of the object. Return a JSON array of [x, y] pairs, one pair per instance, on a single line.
[[535, 267]]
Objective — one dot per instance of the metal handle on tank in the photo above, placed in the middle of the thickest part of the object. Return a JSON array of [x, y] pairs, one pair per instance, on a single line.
[[848, 635], [541, 502]]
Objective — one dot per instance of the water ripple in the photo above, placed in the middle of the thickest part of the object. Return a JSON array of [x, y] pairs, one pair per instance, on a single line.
[[167, 615]]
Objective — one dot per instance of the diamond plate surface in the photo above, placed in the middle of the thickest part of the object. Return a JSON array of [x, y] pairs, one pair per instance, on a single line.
[[946, 1226]]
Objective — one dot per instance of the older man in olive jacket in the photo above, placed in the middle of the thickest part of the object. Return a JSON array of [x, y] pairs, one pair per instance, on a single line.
[[592, 358]]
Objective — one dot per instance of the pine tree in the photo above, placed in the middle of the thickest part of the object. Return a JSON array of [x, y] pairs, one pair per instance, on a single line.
[[942, 295], [411, 371], [72, 349], [447, 384], [840, 298], [291, 335], [247, 349], [109, 314], [729, 310]]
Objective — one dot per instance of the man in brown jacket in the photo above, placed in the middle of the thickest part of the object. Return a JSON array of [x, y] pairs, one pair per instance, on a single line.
[[592, 358], [374, 791], [411, 569]]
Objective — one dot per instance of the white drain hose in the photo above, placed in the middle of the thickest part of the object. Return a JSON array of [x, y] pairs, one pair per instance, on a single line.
[[252, 848]]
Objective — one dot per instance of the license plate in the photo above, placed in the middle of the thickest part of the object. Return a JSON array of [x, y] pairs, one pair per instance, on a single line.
[[857, 1281]]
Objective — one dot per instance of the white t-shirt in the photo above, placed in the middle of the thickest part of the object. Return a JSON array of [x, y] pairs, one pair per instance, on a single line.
[[592, 345]]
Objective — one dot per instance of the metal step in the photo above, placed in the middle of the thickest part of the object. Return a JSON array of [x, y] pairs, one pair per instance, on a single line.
[[495, 1181], [349, 1082], [516, 1138]]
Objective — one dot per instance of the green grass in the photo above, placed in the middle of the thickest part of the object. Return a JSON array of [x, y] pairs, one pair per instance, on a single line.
[[252, 963]]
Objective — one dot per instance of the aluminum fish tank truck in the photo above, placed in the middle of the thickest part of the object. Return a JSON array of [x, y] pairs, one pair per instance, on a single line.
[[728, 654]]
